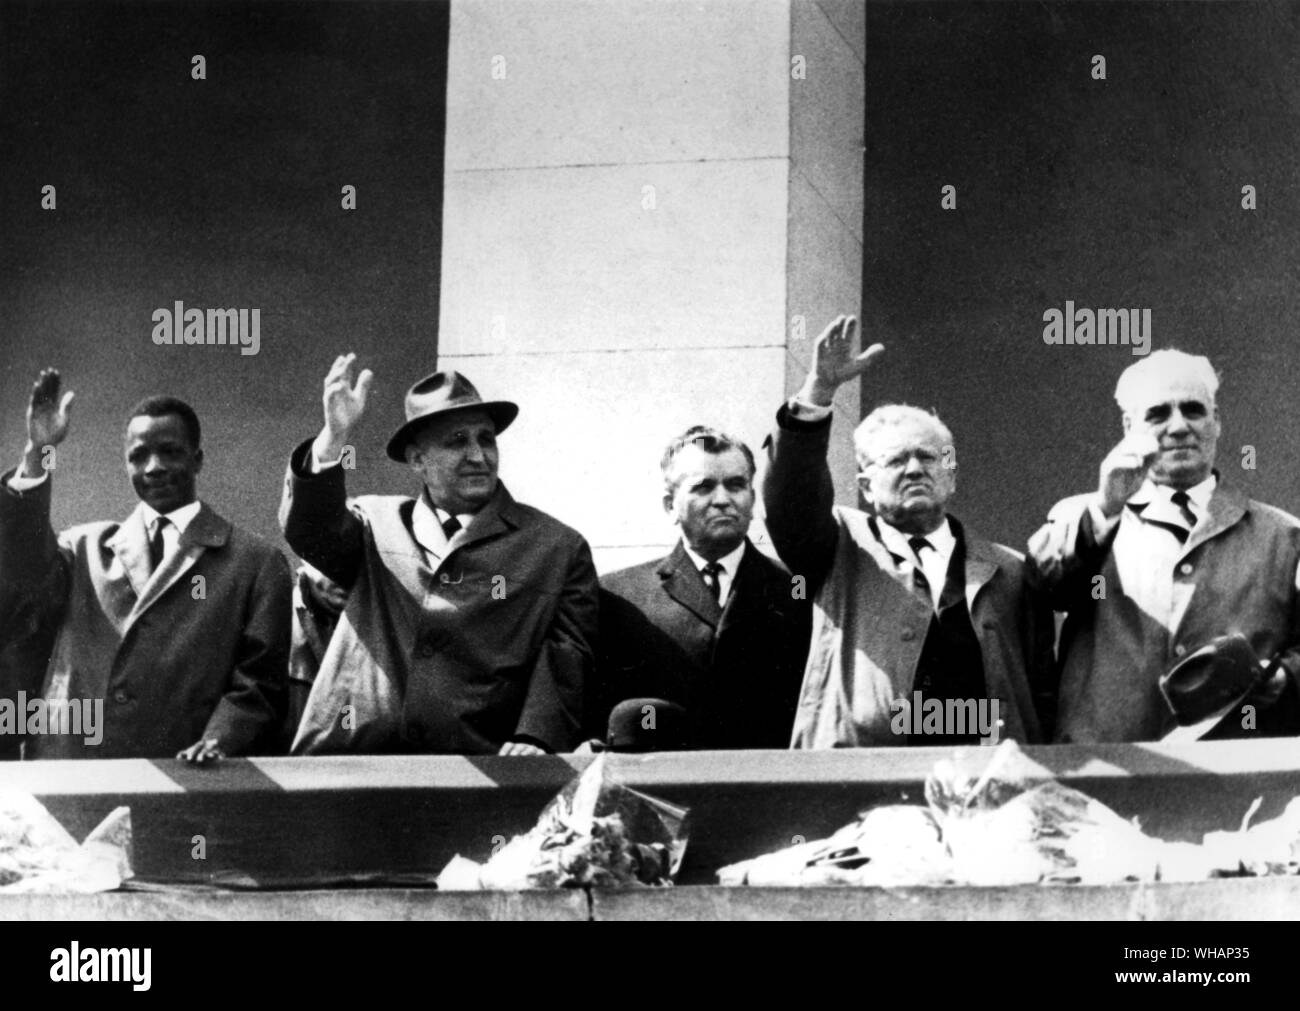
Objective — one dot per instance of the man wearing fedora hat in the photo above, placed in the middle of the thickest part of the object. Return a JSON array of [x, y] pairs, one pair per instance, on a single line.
[[1163, 559], [470, 617]]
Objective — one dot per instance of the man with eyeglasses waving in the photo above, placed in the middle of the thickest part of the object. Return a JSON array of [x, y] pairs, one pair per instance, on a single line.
[[910, 611]]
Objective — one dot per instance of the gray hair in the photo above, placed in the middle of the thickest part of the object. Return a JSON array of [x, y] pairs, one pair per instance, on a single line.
[[890, 416], [1163, 366], [711, 440]]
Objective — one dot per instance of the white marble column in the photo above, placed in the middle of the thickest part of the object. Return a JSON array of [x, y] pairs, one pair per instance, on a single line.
[[641, 197]]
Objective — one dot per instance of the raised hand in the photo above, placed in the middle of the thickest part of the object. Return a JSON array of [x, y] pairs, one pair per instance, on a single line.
[[344, 401], [345, 394], [836, 360], [47, 414], [47, 422], [1124, 470]]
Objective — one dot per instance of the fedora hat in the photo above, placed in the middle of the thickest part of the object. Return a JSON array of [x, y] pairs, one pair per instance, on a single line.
[[442, 393], [647, 725], [1208, 686]]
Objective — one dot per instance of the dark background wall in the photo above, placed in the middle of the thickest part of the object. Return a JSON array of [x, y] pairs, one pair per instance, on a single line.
[[225, 192], [1117, 193], [220, 192]]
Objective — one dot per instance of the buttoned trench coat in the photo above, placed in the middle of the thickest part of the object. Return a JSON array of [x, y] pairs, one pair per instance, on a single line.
[[196, 650]]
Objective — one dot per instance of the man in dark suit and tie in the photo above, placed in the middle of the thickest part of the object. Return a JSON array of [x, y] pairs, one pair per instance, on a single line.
[[716, 627], [169, 631]]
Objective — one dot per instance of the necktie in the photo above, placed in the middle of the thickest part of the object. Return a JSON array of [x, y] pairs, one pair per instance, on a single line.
[[157, 545], [919, 580], [1182, 500], [450, 526], [711, 573], [1180, 532]]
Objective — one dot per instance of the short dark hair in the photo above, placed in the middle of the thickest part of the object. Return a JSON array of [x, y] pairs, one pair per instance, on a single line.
[[158, 407], [711, 440]]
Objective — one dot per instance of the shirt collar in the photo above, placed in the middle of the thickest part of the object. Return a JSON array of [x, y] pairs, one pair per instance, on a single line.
[[942, 539], [180, 518], [427, 522], [730, 562], [1199, 494]]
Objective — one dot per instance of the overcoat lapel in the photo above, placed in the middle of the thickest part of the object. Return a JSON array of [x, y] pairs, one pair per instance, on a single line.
[[490, 521], [684, 584], [981, 565], [1227, 507], [206, 530], [405, 557], [131, 546]]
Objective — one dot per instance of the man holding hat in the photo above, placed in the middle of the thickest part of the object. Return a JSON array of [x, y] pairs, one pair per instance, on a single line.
[[1159, 567], [470, 617]]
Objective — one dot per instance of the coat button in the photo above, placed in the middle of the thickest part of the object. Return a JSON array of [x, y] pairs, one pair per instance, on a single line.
[[1180, 649], [445, 577], [908, 635], [1185, 568], [121, 696]]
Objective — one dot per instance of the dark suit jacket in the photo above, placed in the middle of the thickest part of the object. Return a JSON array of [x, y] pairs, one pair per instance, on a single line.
[[172, 657], [25, 648], [736, 671], [492, 642]]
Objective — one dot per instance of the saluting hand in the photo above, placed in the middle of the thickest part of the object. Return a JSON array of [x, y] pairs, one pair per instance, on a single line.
[[1124, 470], [836, 361]]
